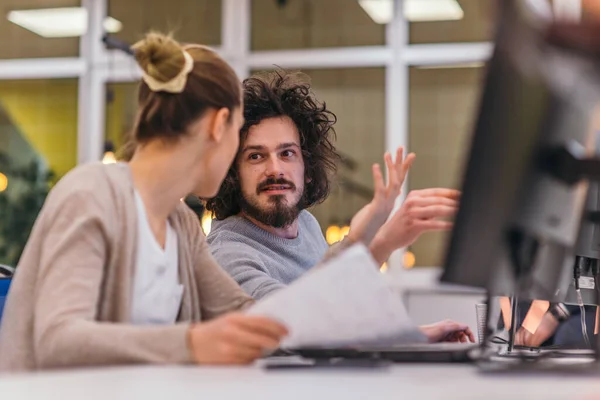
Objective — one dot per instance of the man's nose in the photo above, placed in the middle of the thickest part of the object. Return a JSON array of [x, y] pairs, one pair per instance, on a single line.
[[274, 167]]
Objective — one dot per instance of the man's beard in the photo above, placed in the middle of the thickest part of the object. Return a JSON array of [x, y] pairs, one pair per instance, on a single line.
[[279, 214]]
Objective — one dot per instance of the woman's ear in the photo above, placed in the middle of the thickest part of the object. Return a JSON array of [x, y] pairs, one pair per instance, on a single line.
[[218, 125]]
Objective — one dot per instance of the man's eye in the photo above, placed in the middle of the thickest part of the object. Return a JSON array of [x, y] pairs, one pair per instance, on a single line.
[[254, 156], [288, 153]]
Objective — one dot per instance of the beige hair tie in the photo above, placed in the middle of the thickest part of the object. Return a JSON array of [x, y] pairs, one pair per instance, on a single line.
[[175, 85]]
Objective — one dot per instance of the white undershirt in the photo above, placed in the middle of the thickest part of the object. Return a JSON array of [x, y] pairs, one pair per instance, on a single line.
[[157, 292]]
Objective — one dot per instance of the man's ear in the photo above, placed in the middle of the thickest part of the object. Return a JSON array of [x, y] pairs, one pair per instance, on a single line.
[[218, 124]]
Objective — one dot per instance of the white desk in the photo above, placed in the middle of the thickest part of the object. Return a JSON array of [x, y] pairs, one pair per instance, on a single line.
[[419, 382]]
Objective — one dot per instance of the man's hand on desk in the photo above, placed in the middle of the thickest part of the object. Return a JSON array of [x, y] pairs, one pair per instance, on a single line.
[[448, 331]]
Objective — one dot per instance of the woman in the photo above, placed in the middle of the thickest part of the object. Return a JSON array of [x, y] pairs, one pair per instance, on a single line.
[[116, 269]]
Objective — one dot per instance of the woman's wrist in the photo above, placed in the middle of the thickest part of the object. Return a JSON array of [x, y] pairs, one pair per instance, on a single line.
[[190, 342]]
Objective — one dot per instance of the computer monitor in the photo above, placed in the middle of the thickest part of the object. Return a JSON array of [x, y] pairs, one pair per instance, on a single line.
[[522, 203]]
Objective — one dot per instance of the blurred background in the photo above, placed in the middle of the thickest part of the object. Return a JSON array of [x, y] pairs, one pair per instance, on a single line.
[[395, 72]]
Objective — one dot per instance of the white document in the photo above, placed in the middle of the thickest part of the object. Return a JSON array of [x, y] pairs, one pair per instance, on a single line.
[[344, 302]]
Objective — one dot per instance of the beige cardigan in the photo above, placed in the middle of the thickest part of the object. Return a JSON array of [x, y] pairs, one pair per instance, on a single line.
[[69, 301]]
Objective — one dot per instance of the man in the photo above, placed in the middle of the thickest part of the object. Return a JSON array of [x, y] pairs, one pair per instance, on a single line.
[[263, 236]]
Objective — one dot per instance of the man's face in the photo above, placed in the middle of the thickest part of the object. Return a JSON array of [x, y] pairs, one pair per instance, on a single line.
[[271, 172]]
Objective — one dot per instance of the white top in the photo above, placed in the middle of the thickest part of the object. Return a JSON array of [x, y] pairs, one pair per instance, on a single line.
[[157, 292]]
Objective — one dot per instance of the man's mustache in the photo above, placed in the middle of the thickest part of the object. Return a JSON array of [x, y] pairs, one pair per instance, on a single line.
[[272, 181]]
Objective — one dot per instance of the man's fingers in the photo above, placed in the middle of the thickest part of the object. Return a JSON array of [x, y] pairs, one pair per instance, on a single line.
[[470, 335], [453, 337], [462, 332], [437, 192], [406, 165], [393, 182], [435, 225], [399, 166], [378, 185], [389, 165], [433, 201], [399, 156], [431, 212]]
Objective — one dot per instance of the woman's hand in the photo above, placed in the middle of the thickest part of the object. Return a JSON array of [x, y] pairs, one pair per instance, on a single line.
[[234, 339]]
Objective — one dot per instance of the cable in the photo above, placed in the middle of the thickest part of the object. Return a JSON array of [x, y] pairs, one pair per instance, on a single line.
[[499, 340], [583, 322], [579, 263]]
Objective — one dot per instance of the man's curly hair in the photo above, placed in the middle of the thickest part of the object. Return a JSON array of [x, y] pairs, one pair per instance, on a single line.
[[283, 94]]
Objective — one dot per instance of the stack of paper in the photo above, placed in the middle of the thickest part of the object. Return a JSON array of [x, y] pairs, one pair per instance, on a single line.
[[344, 302]]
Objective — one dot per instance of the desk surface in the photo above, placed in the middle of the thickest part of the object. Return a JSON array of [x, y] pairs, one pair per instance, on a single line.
[[406, 381]]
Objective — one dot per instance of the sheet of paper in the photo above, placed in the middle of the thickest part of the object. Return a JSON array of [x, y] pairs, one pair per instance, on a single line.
[[345, 302]]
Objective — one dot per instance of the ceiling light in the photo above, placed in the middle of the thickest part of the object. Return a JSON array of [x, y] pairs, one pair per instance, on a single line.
[[432, 10], [382, 11], [58, 22]]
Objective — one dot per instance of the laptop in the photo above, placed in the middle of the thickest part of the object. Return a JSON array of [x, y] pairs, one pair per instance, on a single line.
[[402, 353]]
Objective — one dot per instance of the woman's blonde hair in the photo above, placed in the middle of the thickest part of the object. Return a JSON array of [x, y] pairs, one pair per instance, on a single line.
[[208, 82]]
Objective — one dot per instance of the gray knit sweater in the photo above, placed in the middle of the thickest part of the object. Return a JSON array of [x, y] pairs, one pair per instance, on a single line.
[[261, 262]]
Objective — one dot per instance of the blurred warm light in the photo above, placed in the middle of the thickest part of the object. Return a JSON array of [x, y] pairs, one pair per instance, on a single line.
[[207, 218], [409, 260], [3, 182], [109, 158], [384, 268], [344, 230], [332, 234]]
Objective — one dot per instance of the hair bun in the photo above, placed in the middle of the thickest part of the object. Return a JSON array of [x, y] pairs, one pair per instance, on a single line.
[[160, 56]]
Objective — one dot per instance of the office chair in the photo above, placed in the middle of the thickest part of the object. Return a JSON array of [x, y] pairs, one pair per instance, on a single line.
[[6, 273]]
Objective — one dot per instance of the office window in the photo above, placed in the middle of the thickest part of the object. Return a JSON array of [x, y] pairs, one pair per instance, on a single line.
[[192, 21], [38, 145], [121, 107], [301, 24], [450, 21], [442, 110], [26, 33]]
